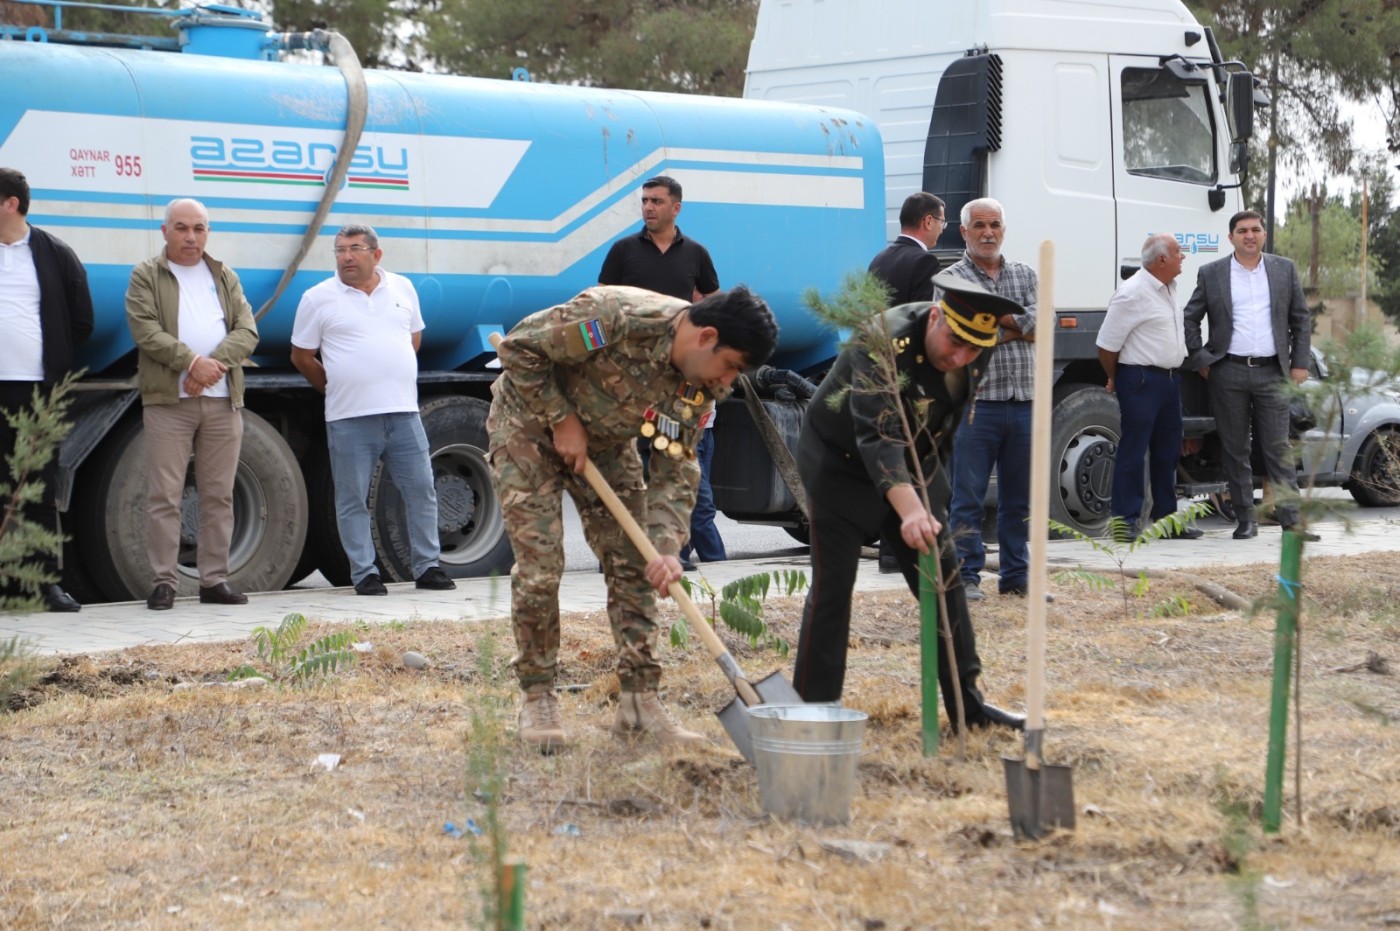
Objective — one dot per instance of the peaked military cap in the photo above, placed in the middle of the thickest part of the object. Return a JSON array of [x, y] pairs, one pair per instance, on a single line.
[[971, 310]]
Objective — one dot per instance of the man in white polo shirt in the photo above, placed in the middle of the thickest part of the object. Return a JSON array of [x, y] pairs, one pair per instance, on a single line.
[[1141, 346], [366, 325]]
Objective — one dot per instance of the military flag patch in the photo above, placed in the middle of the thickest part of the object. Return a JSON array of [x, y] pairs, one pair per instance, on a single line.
[[592, 333]]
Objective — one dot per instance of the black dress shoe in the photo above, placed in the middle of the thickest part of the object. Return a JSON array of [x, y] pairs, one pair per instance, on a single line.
[[59, 600], [1247, 530], [162, 598], [1287, 528], [371, 584], [1185, 533], [222, 594], [992, 715]]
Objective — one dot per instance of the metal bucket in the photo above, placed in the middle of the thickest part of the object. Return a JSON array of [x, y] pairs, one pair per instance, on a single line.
[[806, 757]]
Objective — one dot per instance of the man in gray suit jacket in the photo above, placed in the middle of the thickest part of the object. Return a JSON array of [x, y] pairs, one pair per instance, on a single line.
[[1260, 333]]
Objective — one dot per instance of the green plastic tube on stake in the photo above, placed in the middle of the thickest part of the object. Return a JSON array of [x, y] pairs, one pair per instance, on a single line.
[[1285, 642], [928, 649]]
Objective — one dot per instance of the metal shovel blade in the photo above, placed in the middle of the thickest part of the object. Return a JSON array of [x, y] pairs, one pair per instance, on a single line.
[[773, 689], [1041, 798]]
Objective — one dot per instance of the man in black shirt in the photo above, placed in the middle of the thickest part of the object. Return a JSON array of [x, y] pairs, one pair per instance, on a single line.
[[660, 259]]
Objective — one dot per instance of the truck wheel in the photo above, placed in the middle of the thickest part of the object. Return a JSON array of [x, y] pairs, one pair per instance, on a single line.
[[470, 526], [269, 503], [1083, 442], [1375, 482]]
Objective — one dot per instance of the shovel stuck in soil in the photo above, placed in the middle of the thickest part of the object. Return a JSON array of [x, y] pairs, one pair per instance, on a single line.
[[1041, 796]]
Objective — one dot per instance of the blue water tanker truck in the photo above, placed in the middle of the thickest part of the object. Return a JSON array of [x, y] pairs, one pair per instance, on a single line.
[[495, 197]]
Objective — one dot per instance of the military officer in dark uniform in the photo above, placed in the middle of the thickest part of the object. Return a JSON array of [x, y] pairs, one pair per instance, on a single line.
[[859, 480]]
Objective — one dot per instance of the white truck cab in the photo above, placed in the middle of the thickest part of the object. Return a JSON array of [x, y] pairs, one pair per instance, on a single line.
[[1094, 122]]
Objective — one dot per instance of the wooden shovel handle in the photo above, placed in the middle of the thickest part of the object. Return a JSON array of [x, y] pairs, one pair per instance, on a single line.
[[702, 627], [1040, 496]]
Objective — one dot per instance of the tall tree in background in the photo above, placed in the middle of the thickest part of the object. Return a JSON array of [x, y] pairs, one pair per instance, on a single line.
[[1314, 55], [383, 34], [690, 46]]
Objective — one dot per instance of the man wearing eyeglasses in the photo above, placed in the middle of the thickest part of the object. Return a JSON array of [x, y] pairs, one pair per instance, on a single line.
[[366, 326], [996, 427], [193, 330]]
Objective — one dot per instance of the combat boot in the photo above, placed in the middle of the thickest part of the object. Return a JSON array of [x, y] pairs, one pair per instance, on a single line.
[[538, 723], [643, 713]]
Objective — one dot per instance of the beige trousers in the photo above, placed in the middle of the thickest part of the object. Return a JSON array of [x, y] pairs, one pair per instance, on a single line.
[[212, 430]]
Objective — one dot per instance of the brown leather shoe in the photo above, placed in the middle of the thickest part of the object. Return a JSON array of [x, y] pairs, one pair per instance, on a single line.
[[222, 594], [162, 598]]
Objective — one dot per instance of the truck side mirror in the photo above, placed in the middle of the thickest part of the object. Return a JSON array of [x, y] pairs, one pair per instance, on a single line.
[[1239, 105]]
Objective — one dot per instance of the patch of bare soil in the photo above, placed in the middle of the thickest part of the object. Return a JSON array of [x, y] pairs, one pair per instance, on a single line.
[[133, 800]]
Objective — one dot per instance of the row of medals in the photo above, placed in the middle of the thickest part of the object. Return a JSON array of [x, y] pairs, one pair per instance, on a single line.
[[665, 432]]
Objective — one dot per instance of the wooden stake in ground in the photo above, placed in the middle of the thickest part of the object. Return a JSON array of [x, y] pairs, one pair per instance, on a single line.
[[1040, 796]]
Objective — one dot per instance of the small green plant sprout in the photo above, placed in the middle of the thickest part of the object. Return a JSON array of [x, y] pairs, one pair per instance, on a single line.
[[740, 605], [1175, 606], [278, 649], [17, 669], [1116, 545]]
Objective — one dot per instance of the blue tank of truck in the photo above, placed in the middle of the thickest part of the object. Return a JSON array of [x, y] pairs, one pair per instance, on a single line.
[[495, 197]]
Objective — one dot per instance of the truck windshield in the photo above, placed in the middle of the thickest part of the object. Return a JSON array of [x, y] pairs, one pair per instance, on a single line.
[[1167, 131]]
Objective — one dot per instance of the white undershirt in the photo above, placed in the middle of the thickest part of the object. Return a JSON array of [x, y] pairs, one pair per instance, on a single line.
[[1253, 333], [201, 326], [22, 348]]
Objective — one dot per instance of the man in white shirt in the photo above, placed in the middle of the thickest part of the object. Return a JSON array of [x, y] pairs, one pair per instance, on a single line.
[[366, 325], [193, 330], [45, 311], [1141, 346], [1259, 338]]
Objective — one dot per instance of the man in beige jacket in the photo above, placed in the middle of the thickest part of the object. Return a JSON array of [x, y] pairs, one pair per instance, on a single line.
[[193, 329]]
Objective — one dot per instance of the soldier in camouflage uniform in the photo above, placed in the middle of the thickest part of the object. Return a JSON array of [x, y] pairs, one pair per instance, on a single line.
[[582, 380], [855, 464]]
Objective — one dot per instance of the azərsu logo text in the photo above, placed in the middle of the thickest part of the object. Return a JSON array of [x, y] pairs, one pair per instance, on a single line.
[[1193, 243], [282, 161]]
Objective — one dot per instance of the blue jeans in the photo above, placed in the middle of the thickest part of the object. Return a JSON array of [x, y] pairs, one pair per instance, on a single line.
[[704, 535], [357, 444], [1149, 406], [999, 436]]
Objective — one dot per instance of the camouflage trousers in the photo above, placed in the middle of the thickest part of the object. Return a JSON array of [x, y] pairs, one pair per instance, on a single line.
[[530, 480]]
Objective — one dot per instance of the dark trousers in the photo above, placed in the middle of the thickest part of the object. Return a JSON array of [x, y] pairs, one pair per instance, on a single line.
[[19, 396], [837, 534], [704, 535], [1149, 406], [1251, 401]]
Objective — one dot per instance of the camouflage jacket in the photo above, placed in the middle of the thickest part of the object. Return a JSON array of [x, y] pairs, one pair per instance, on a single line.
[[606, 356]]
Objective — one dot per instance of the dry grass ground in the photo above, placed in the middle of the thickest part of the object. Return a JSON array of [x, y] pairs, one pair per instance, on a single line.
[[126, 803]]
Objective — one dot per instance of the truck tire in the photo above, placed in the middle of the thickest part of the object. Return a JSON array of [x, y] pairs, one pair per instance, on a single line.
[[269, 502], [1083, 443], [1375, 481], [470, 526]]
